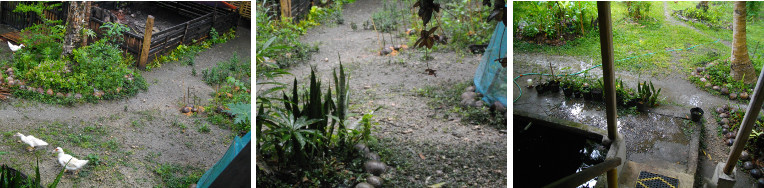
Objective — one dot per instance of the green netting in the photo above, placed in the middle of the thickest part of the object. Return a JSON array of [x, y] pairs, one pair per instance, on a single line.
[[490, 76]]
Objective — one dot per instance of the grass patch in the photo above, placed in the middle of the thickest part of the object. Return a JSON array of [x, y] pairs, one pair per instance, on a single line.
[[177, 176], [447, 101]]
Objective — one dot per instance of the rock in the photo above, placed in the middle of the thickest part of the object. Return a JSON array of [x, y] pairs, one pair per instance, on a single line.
[[77, 96], [748, 165], [756, 173], [726, 106], [744, 96], [479, 103], [68, 95], [730, 142], [40, 90], [185, 109], [730, 134], [374, 167], [32, 89], [375, 181], [715, 88], [703, 79], [49, 92], [470, 89], [725, 121], [760, 182], [478, 95], [11, 83], [467, 102], [724, 115], [708, 85], [733, 96], [364, 185], [700, 69], [469, 95], [59, 94], [372, 156], [497, 106], [745, 156], [726, 126], [720, 110], [366, 87], [362, 148], [725, 91], [725, 130]]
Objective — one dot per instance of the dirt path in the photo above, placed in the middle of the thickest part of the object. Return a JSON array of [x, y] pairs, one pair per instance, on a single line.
[[454, 153], [673, 21], [129, 137]]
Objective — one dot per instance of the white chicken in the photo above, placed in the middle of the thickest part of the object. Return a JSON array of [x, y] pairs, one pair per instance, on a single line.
[[14, 48], [31, 140], [74, 163]]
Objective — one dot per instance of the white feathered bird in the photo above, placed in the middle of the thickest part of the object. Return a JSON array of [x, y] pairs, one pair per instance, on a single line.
[[74, 163], [14, 48], [31, 140]]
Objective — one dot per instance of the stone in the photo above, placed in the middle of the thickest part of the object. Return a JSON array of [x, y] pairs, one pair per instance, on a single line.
[[720, 110], [724, 91], [703, 79], [49, 92], [716, 88], [733, 96], [375, 181], [372, 156], [470, 89], [756, 173], [725, 121], [40, 90], [726, 106], [745, 156], [364, 185], [725, 130], [68, 95], [77, 96], [700, 69], [374, 167], [743, 95], [468, 95], [708, 85], [730, 142], [748, 165], [361, 148], [724, 115], [59, 94], [478, 104]]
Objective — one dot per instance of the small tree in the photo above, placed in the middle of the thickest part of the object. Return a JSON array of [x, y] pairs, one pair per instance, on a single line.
[[741, 66], [76, 20]]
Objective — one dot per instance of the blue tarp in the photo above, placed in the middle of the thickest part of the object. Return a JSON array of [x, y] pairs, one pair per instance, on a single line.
[[490, 76], [233, 150]]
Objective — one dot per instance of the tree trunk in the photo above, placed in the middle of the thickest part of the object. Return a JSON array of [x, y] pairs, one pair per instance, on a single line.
[[741, 65], [76, 20], [702, 5]]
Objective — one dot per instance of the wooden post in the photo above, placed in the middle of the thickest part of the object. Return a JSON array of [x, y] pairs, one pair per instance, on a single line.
[[146, 43], [185, 32], [88, 6]]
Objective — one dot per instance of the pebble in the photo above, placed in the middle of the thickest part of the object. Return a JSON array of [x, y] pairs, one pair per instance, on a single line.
[[733, 96]]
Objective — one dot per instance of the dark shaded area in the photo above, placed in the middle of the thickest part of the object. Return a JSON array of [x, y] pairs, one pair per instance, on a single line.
[[543, 154]]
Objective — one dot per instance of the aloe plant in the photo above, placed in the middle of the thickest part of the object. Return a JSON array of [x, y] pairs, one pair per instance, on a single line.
[[647, 93]]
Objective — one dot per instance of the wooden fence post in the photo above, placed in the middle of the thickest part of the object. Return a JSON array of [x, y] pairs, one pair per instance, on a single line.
[[146, 42], [185, 32]]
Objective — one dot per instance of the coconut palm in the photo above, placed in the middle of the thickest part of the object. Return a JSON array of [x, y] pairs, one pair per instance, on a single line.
[[741, 66]]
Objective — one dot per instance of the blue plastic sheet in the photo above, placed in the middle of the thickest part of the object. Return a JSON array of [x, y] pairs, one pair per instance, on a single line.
[[238, 144], [490, 76]]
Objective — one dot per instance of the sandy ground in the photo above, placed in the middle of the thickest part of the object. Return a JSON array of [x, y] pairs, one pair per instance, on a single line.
[[130, 136], [455, 153]]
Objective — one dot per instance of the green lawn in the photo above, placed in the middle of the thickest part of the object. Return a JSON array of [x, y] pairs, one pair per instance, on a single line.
[[631, 39]]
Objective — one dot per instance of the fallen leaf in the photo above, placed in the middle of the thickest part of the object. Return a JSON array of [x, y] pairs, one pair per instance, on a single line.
[[437, 185], [421, 156]]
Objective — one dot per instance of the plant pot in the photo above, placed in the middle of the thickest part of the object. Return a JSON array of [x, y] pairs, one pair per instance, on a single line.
[[597, 95], [541, 88], [642, 107], [568, 91], [587, 95], [696, 114], [553, 86]]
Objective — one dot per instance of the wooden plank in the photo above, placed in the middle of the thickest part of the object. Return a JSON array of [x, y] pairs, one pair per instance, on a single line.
[[146, 43]]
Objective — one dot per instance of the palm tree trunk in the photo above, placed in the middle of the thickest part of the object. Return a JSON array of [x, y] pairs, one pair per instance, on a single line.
[[741, 66], [76, 21]]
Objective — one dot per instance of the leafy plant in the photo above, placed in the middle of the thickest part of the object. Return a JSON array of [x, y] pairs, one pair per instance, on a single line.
[[290, 136], [114, 31], [234, 67], [638, 10], [12, 178], [647, 93]]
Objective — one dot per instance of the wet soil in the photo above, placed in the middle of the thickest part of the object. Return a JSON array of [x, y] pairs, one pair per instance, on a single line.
[[425, 147], [130, 137]]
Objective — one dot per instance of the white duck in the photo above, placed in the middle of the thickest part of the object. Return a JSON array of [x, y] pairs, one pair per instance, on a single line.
[[31, 140], [74, 163], [15, 48]]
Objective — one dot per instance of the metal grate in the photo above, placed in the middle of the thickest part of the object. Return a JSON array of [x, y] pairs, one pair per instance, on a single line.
[[651, 180]]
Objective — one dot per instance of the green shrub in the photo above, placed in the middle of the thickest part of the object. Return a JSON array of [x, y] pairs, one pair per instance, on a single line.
[[234, 67], [638, 10]]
